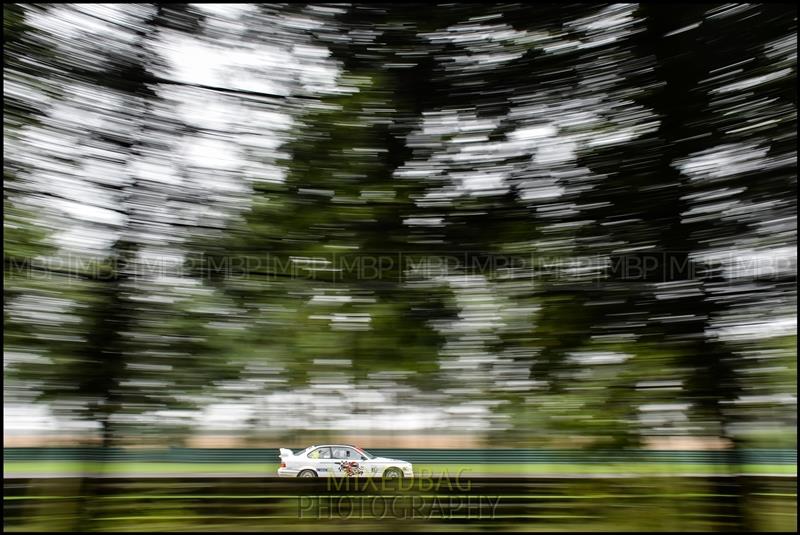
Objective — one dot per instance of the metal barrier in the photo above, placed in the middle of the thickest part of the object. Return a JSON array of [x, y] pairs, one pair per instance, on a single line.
[[418, 455]]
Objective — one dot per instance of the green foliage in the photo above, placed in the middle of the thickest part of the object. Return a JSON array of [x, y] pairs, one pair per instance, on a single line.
[[501, 145]]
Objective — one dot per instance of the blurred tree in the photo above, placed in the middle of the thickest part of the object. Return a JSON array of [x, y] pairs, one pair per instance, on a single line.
[[512, 205], [29, 87], [23, 240], [325, 253], [134, 337]]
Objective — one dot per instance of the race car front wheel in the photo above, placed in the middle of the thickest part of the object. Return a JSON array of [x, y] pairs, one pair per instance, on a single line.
[[392, 473], [307, 473]]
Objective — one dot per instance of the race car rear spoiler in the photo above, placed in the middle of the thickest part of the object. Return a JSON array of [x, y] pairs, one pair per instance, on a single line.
[[285, 452]]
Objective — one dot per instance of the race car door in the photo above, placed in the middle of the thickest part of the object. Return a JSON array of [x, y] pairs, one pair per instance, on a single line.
[[347, 462]]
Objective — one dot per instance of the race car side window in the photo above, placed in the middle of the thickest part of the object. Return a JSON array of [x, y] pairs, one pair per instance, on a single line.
[[342, 453], [320, 453], [346, 453]]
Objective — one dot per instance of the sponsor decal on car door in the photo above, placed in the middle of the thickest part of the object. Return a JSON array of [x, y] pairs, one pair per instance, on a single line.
[[348, 462]]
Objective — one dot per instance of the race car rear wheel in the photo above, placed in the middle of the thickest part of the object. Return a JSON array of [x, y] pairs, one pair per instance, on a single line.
[[393, 473], [307, 473]]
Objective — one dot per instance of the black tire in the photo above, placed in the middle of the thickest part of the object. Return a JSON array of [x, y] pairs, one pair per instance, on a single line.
[[393, 473], [307, 473]]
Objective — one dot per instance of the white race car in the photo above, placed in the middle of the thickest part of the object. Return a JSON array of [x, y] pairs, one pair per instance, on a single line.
[[340, 460]]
